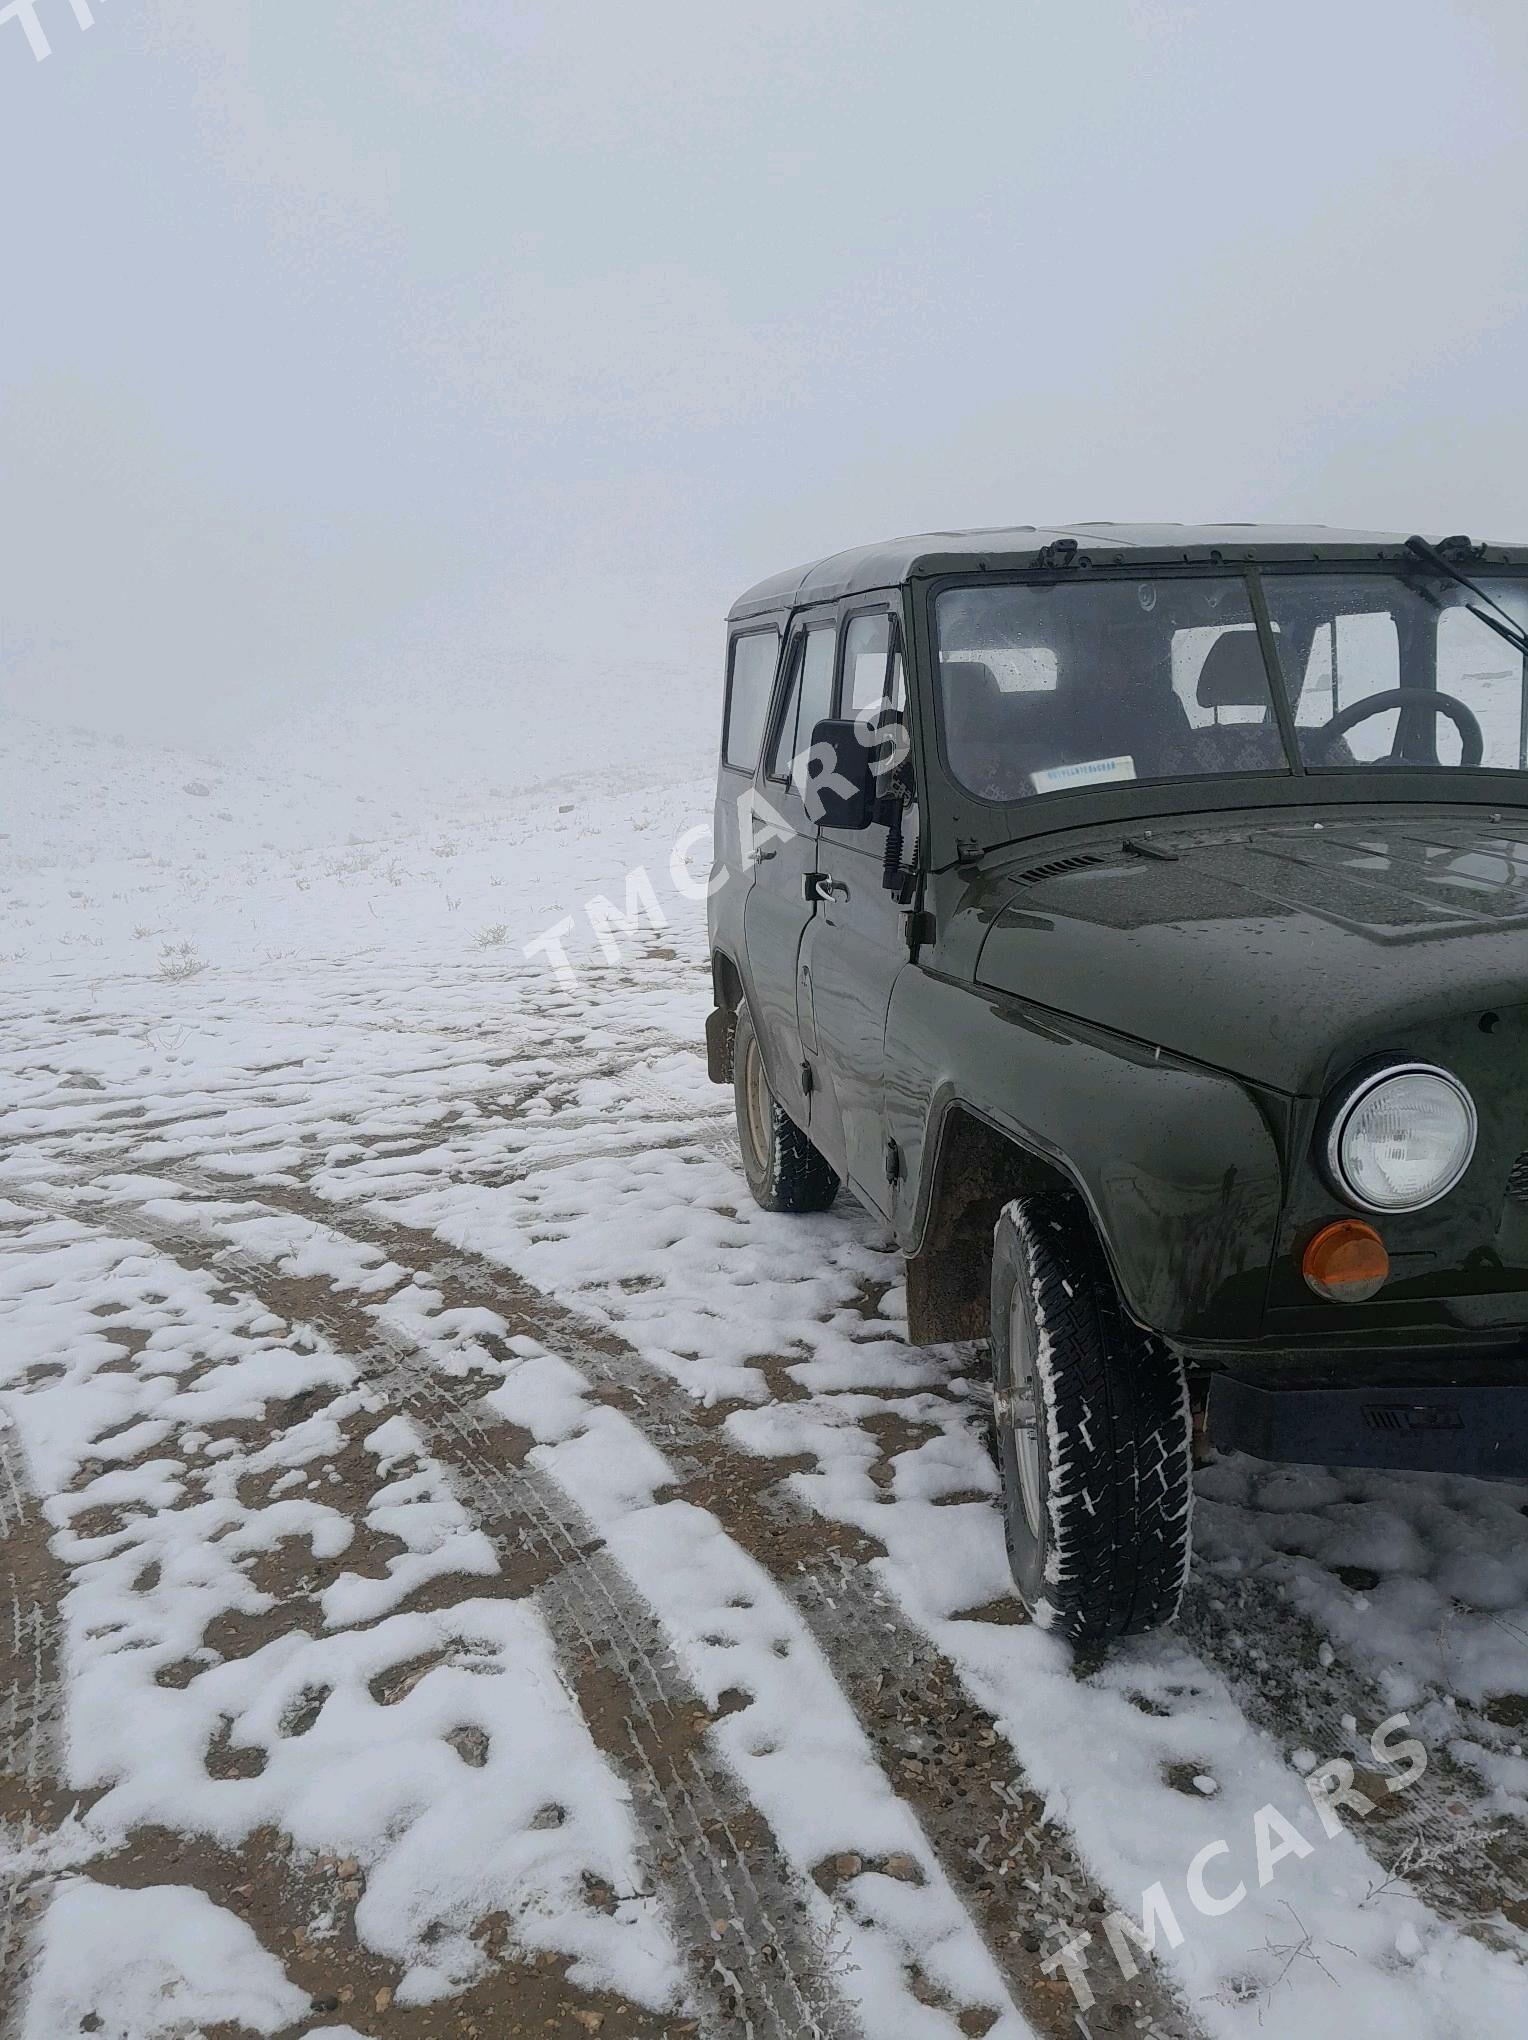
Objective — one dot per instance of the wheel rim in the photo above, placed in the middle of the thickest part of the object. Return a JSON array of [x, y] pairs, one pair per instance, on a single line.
[[1024, 1414], [756, 1093]]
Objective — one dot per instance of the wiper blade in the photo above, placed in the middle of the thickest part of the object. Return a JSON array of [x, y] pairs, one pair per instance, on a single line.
[[1508, 627]]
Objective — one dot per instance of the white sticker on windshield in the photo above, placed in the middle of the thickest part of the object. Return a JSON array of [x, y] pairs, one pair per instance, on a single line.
[[1092, 772]]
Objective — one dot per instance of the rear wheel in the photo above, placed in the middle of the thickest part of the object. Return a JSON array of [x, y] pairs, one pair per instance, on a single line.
[[1092, 1432], [785, 1172]]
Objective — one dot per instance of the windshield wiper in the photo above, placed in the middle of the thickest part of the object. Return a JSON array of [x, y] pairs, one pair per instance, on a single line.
[[1505, 626]]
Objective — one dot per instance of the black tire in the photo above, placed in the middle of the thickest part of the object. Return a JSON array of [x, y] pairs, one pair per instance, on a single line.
[[784, 1171], [1097, 1485]]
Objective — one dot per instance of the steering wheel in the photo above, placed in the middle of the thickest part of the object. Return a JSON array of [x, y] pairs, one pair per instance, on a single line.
[[1471, 743]]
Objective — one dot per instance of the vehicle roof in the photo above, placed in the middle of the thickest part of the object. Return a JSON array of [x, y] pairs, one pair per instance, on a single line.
[[895, 560]]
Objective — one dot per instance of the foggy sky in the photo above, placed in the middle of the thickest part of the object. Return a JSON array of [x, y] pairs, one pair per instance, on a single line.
[[336, 337]]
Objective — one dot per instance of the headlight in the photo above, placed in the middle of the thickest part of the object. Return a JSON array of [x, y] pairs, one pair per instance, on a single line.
[[1401, 1138]]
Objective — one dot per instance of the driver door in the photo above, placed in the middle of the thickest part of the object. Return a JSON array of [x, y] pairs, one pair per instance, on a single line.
[[856, 946]]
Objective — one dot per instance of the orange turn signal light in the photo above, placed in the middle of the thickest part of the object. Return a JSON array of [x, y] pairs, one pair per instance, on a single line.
[[1346, 1261]]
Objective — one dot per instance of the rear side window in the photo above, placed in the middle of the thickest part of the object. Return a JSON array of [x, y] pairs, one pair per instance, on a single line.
[[754, 657]]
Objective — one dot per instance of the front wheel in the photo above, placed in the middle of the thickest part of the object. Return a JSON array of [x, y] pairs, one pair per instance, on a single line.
[[785, 1172], [1092, 1430]]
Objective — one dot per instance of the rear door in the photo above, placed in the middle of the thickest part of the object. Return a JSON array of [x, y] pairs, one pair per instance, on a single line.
[[781, 901], [858, 942]]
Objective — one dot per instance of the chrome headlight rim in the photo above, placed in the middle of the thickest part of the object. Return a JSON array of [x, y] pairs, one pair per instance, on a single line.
[[1347, 1103]]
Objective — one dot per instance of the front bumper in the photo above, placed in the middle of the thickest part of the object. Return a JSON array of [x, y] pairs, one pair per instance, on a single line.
[[1481, 1431]]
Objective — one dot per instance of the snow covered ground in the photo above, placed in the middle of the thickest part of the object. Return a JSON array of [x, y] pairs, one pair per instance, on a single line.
[[470, 1571]]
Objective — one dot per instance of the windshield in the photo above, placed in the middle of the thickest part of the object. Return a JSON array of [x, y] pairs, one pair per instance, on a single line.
[[1048, 687]]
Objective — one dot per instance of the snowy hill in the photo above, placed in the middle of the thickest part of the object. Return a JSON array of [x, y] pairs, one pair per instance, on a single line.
[[122, 857], [356, 766], [70, 796], [473, 735]]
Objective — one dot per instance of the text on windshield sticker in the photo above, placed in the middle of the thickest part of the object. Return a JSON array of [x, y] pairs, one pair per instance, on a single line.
[[1091, 772]]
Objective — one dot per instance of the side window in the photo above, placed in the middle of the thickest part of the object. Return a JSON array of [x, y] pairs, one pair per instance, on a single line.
[[873, 680], [754, 657], [809, 697], [867, 645]]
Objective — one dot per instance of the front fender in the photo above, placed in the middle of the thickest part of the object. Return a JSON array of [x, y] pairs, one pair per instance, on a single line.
[[1178, 1164]]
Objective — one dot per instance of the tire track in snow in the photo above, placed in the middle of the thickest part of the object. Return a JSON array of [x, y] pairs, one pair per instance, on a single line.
[[903, 1690], [366, 1615], [757, 1954], [771, 1973]]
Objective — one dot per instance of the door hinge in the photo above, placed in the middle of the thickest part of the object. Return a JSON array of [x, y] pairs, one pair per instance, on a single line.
[[919, 930], [808, 1081], [893, 1162]]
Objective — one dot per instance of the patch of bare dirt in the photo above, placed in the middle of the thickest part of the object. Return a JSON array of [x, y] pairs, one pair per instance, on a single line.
[[302, 1910]]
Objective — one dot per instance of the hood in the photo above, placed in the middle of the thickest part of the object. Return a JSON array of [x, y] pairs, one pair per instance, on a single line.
[[1280, 953]]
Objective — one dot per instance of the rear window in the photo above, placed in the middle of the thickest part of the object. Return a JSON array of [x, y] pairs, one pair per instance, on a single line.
[[752, 678]]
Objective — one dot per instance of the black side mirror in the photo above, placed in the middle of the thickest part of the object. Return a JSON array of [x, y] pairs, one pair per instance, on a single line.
[[838, 781]]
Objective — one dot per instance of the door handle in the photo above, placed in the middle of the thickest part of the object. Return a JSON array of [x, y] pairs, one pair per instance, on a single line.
[[819, 886], [763, 856]]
